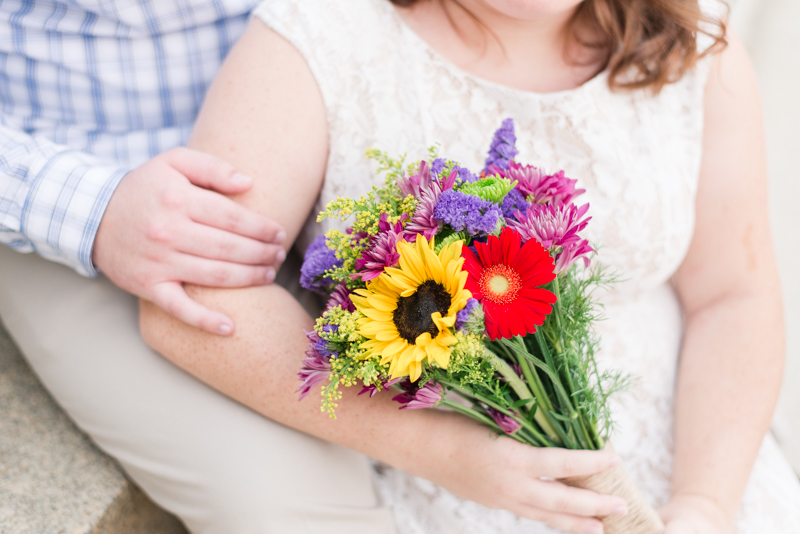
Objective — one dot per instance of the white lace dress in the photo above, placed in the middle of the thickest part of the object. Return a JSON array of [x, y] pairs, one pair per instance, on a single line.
[[636, 155]]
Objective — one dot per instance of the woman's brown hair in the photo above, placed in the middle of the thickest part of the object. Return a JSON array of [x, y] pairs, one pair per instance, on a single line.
[[642, 43]]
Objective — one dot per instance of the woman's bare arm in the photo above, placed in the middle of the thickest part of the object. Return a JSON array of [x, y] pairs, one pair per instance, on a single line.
[[264, 114], [732, 359]]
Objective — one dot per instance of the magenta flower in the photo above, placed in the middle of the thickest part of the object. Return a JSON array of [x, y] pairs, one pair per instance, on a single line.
[[341, 297], [507, 424], [382, 251], [415, 184], [316, 367], [415, 398], [556, 228], [423, 222], [539, 187]]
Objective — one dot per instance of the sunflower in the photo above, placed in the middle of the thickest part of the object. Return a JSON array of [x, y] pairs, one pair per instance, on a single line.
[[409, 310], [505, 276]]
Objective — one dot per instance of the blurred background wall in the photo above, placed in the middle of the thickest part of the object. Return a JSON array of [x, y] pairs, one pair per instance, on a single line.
[[770, 30]]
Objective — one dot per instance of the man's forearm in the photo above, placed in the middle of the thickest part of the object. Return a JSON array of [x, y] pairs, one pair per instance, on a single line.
[[728, 383]]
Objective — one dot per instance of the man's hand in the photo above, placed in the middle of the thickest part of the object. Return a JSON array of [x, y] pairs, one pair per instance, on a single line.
[[167, 224]]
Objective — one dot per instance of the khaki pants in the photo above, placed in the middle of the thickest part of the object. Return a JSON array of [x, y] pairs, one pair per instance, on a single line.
[[220, 467]]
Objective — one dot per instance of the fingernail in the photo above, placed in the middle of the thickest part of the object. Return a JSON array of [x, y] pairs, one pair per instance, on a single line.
[[270, 276], [614, 461], [280, 256], [225, 330], [619, 510], [280, 237], [241, 179]]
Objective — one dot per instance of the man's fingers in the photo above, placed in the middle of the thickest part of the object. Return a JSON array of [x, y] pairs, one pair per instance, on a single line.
[[565, 522], [559, 498], [213, 273], [553, 462], [220, 212], [207, 171], [211, 243], [172, 298]]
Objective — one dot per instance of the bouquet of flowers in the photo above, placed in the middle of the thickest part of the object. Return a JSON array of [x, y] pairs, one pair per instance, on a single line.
[[473, 293]]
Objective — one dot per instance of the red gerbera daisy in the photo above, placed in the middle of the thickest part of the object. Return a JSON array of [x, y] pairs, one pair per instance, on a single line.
[[506, 277]]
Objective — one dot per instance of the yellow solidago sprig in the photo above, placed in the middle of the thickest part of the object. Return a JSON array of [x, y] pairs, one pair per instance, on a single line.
[[410, 310]]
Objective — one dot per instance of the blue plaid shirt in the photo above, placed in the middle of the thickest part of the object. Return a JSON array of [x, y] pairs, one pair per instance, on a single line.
[[88, 90]]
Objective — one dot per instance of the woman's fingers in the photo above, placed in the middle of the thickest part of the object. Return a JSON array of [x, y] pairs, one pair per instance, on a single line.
[[559, 498], [552, 462], [565, 522]]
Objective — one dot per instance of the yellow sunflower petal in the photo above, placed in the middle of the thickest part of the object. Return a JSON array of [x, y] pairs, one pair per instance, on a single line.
[[443, 323], [394, 347], [422, 339], [382, 302], [376, 315], [439, 354], [414, 371], [434, 266]]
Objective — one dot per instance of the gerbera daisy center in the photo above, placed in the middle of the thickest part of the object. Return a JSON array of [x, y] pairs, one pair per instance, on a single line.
[[412, 316], [500, 284]]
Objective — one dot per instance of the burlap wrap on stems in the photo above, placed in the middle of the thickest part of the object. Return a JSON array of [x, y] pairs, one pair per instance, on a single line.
[[641, 517]]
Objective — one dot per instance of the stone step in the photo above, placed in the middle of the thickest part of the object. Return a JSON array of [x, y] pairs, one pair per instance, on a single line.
[[53, 480]]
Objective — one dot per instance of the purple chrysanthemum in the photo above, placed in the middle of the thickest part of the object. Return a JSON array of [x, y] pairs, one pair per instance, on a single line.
[[415, 398], [556, 228], [382, 251], [466, 213], [514, 201], [502, 149], [463, 315], [423, 221], [341, 297], [318, 259], [540, 187], [316, 367], [418, 182], [507, 424]]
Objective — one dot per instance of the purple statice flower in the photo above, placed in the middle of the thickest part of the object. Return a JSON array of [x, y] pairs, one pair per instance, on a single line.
[[316, 367], [556, 228], [514, 201], [372, 389], [540, 187], [416, 398], [507, 424], [321, 345], [502, 149], [466, 175], [423, 221], [319, 258], [382, 251], [437, 165], [467, 212], [341, 297], [463, 315]]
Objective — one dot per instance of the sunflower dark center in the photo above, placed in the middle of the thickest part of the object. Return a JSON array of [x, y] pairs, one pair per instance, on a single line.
[[413, 314]]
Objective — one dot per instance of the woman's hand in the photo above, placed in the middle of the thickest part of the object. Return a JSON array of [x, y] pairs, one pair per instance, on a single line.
[[503, 473], [694, 515]]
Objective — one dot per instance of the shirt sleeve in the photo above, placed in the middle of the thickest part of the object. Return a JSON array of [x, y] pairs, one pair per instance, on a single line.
[[52, 198]]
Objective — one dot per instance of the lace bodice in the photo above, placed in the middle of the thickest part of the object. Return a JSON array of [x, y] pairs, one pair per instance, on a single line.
[[636, 154]]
